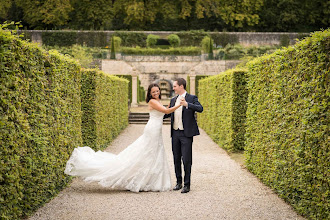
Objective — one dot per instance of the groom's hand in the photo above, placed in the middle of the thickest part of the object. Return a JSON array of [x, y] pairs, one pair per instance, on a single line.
[[183, 102]]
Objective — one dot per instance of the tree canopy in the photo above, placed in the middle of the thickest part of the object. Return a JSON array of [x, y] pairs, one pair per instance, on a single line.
[[210, 15]]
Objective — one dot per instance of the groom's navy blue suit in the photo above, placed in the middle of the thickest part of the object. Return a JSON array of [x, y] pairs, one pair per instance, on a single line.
[[182, 139]]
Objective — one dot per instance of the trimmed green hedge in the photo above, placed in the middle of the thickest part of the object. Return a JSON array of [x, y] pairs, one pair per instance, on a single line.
[[191, 38], [104, 108], [92, 38], [132, 39], [223, 39], [129, 89], [287, 135], [40, 112], [197, 78], [141, 97], [59, 38], [188, 51], [224, 100], [68, 38]]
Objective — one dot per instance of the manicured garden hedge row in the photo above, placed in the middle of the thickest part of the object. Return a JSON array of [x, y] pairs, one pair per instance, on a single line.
[[92, 38], [59, 38], [68, 38], [104, 107], [129, 39], [187, 51], [129, 89], [197, 79], [287, 134], [224, 100], [132, 39], [40, 114]]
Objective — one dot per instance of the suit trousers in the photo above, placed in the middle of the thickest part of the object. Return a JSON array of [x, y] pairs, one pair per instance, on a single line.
[[182, 150]]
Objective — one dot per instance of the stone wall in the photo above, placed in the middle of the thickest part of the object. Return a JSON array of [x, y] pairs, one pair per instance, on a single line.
[[151, 69]]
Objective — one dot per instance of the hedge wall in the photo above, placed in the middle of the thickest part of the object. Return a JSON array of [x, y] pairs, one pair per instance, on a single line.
[[40, 114], [129, 89], [92, 39], [184, 51], [59, 38], [132, 39], [104, 108], [191, 38], [287, 135], [197, 79], [224, 99]]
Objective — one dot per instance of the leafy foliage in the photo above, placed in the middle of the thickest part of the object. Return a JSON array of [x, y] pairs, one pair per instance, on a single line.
[[113, 49], [164, 15], [129, 89], [287, 131], [237, 51], [59, 38], [44, 106], [197, 78], [152, 40], [40, 123], [174, 40], [92, 38], [104, 107], [190, 51], [132, 39], [223, 39], [191, 38], [224, 99], [205, 44], [48, 14], [284, 40], [117, 42]]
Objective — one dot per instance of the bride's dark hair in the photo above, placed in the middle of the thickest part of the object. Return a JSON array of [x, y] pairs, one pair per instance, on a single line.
[[149, 96]]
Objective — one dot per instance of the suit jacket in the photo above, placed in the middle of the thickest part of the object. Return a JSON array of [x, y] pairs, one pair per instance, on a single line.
[[188, 115]]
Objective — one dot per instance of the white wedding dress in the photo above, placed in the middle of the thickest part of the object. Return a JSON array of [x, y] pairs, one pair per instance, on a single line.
[[142, 166]]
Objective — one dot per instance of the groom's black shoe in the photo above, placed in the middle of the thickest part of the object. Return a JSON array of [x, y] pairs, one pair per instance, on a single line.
[[177, 187], [185, 189]]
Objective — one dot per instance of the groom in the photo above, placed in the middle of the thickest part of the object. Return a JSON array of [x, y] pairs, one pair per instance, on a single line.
[[183, 128]]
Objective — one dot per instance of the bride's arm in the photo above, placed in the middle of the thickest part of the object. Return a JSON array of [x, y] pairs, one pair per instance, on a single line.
[[157, 106]]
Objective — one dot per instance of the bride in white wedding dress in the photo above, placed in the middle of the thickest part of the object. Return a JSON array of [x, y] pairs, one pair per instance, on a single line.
[[142, 166]]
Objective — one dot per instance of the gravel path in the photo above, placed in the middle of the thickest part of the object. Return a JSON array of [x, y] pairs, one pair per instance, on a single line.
[[221, 189]]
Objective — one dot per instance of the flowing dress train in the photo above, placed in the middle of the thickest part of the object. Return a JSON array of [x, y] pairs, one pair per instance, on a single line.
[[142, 166]]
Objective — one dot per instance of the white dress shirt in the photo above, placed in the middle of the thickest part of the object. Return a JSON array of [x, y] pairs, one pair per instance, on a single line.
[[178, 114]]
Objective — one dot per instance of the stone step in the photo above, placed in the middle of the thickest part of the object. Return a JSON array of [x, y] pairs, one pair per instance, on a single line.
[[142, 118]]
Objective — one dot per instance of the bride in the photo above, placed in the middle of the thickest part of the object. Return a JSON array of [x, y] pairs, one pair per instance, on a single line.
[[142, 166]]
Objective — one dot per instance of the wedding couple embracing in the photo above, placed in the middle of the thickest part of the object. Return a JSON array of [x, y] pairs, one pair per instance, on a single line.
[[143, 166]]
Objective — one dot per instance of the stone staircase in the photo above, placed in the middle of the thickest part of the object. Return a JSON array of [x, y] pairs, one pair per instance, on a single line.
[[142, 118]]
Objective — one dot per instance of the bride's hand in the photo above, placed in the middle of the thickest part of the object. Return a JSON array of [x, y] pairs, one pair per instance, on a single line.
[[183, 102]]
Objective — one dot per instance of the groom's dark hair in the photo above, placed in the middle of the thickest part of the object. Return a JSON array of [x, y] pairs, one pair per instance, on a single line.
[[181, 81]]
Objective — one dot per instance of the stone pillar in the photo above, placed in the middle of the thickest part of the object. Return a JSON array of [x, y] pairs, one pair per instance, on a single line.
[[134, 89], [193, 84]]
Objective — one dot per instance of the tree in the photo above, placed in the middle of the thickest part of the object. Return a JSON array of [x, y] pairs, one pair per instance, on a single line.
[[113, 50], [210, 49], [137, 13], [92, 14], [46, 13], [4, 7]]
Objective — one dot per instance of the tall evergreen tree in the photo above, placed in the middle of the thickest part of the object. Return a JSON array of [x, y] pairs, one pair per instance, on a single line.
[[113, 50], [210, 49]]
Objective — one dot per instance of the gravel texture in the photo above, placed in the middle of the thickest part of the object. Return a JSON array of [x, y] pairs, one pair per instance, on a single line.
[[220, 189]]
